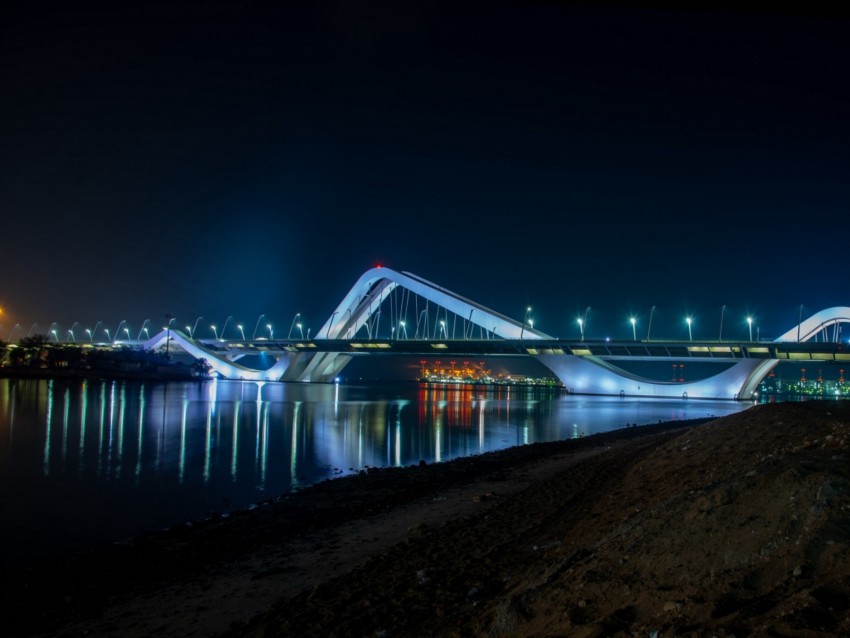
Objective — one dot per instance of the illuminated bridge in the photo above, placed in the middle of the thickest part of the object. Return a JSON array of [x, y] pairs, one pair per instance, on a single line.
[[448, 325]]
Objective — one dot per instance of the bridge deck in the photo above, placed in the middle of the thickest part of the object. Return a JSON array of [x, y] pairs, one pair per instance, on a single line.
[[609, 350]]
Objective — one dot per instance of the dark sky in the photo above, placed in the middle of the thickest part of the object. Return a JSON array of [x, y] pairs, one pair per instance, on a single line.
[[241, 159]]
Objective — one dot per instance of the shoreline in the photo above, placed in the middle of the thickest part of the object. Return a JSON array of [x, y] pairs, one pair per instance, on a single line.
[[175, 553]]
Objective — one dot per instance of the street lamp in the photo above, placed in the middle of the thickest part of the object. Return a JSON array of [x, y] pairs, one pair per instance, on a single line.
[[722, 311], [189, 330], [170, 318], [271, 332], [241, 329], [215, 332], [259, 319], [633, 321], [750, 324], [581, 327], [127, 332], [443, 329], [88, 332], [300, 327], [292, 325], [143, 329], [649, 327], [524, 320], [224, 327], [195, 327], [688, 321], [403, 328], [53, 332]]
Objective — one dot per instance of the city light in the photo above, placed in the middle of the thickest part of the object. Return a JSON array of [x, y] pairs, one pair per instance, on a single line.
[[633, 321], [688, 321]]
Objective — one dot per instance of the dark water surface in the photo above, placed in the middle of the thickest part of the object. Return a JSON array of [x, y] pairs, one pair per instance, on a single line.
[[86, 462]]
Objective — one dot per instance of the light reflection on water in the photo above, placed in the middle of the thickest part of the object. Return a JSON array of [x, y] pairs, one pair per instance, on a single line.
[[83, 462]]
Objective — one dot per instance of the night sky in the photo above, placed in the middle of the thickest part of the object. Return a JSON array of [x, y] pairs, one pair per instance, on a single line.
[[242, 160]]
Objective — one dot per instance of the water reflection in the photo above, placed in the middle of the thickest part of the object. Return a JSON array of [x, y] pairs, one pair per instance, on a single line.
[[107, 459]]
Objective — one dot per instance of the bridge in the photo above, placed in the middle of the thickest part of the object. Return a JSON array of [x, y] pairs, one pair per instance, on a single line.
[[447, 324]]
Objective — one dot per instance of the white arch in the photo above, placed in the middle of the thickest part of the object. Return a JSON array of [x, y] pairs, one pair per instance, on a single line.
[[592, 375], [376, 284]]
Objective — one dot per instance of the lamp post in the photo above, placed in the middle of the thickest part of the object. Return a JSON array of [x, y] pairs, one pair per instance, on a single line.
[[189, 330], [649, 327], [633, 321], [750, 324], [524, 320], [581, 327], [403, 328], [224, 327], [127, 332], [241, 330], [688, 321], [799, 323], [292, 325], [720, 335], [215, 332], [300, 327], [195, 327], [53, 332], [170, 318], [271, 332], [88, 332], [254, 335], [443, 329], [143, 329]]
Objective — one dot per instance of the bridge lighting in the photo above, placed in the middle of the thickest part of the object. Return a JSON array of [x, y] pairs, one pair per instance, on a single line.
[[242, 330], [750, 324], [300, 327], [147, 334], [688, 321], [633, 321], [649, 327], [195, 327], [254, 334], [403, 328], [215, 332], [581, 327], [292, 325], [271, 332], [127, 331], [53, 332], [524, 321], [108, 338], [143, 329], [722, 312], [88, 332], [189, 330]]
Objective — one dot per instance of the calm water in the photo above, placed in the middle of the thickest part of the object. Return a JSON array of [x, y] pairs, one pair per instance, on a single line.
[[84, 462]]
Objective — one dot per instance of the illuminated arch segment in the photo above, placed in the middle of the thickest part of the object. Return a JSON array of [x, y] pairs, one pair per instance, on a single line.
[[227, 369], [592, 375], [375, 285]]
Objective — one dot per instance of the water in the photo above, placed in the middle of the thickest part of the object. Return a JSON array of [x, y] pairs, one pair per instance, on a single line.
[[87, 462]]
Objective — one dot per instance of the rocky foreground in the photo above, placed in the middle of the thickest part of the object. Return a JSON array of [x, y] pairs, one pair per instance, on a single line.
[[737, 526]]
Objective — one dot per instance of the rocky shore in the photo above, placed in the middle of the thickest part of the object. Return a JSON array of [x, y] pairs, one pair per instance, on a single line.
[[735, 526]]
